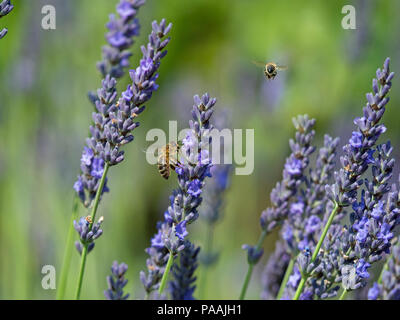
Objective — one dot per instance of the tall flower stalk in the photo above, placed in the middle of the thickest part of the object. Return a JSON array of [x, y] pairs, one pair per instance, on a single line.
[[115, 121], [194, 167], [121, 31], [357, 158], [301, 228], [114, 118]]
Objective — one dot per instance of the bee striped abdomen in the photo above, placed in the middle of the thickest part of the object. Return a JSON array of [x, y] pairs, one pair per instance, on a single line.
[[163, 162], [168, 159]]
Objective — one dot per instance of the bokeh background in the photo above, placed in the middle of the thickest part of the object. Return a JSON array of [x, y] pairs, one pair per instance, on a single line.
[[45, 114]]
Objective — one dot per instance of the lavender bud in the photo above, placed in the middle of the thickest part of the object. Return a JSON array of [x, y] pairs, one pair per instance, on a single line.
[[116, 282]]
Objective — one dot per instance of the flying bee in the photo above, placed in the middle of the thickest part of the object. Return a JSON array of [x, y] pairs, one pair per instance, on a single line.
[[168, 158], [270, 68]]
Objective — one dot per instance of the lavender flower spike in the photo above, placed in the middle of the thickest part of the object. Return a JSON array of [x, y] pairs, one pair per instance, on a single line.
[[274, 271], [349, 252], [87, 236], [357, 153], [182, 287], [121, 31], [194, 167], [389, 287], [120, 35], [116, 282], [302, 226], [5, 8], [115, 119], [293, 174]]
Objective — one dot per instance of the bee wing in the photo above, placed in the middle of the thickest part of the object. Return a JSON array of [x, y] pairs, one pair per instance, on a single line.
[[281, 67], [259, 63]]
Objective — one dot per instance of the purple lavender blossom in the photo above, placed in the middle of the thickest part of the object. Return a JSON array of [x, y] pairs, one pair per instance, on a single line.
[[302, 227], [274, 271], [88, 181], [115, 118], [297, 208], [116, 282], [120, 35], [87, 236], [194, 188], [294, 279], [389, 286], [295, 166], [356, 140], [312, 224], [348, 252], [185, 200], [362, 268], [374, 292], [182, 286], [5, 8], [373, 219], [358, 151]]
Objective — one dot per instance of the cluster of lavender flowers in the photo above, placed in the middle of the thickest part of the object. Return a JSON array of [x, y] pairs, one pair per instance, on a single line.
[[114, 120], [115, 115], [274, 271], [347, 251], [116, 282], [121, 31], [304, 219], [182, 286], [87, 235], [307, 210], [194, 167], [5, 8], [120, 38], [388, 287]]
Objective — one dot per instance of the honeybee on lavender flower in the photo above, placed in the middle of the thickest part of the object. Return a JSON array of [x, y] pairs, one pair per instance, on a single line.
[[168, 158], [270, 69]]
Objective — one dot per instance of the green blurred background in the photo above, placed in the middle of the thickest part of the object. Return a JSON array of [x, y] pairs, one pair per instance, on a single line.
[[45, 114]]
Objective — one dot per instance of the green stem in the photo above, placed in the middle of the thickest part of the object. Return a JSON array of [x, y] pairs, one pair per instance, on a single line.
[[288, 272], [343, 295], [246, 281], [93, 216], [166, 272], [67, 252], [317, 248], [81, 272], [251, 266]]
